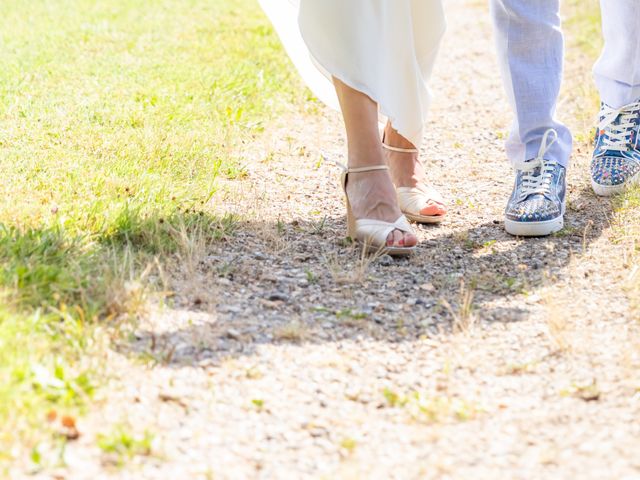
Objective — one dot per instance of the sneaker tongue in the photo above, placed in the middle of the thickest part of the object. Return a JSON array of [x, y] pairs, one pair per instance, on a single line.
[[603, 152], [535, 171], [537, 196]]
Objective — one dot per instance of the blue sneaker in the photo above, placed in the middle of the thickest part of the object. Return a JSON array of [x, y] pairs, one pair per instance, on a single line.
[[616, 158], [537, 205]]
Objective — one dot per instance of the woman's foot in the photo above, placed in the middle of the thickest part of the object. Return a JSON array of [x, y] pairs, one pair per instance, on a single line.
[[372, 196], [408, 172]]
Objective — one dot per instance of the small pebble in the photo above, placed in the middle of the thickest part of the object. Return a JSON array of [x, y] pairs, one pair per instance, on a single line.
[[234, 334], [278, 297], [385, 260]]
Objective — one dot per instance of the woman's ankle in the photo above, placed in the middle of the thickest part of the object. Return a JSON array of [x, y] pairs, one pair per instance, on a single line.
[[366, 156], [393, 139]]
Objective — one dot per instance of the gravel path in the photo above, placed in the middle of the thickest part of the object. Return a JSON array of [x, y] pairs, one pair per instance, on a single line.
[[283, 354]]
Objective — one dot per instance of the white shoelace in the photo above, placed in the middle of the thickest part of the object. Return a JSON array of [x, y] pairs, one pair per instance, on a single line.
[[541, 183], [618, 137]]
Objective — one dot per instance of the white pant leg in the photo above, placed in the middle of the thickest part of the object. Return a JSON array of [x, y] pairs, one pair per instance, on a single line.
[[530, 52], [617, 72]]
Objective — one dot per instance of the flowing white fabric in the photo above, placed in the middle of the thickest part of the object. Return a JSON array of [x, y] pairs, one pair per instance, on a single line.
[[383, 48]]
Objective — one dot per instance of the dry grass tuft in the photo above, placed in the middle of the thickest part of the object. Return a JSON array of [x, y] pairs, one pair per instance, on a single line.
[[558, 327], [294, 331], [346, 273], [463, 314], [191, 246], [126, 288], [273, 237]]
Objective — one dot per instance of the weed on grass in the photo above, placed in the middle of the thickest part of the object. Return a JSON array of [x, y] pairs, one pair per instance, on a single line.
[[121, 445], [348, 445], [434, 408]]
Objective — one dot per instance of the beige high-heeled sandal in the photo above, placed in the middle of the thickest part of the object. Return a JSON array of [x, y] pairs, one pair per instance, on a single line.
[[373, 234], [413, 199]]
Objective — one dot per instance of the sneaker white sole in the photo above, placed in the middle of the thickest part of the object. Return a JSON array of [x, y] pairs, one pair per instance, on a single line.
[[534, 229], [610, 190]]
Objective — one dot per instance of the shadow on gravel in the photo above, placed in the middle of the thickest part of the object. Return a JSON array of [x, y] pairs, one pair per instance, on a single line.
[[301, 282]]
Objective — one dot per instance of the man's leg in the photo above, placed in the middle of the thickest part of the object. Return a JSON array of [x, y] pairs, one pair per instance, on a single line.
[[616, 159], [530, 52], [617, 72]]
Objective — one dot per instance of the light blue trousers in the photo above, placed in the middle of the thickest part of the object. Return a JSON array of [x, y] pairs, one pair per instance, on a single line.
[[530, 51]]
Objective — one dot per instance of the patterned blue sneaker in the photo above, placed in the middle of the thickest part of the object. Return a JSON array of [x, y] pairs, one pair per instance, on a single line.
[[616, 158], [537, 205]]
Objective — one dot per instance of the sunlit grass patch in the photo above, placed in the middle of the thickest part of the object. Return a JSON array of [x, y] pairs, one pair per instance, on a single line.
[[42, 367], [584, 23], [583, 30], [116, 120]]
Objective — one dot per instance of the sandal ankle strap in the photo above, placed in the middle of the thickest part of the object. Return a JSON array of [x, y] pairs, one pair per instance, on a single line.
[[399, 150], [367, 169]]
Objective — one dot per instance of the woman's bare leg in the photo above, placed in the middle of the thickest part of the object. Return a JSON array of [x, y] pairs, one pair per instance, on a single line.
[[371, 194]]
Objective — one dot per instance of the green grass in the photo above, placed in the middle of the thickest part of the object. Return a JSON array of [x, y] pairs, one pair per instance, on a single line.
[[116, 121], [584, 24], [121, 445]]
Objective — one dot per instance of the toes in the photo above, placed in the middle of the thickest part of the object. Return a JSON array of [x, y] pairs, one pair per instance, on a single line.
[[410, 240], [433, 209], [395, 239], [398, 238], [391, 239]]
